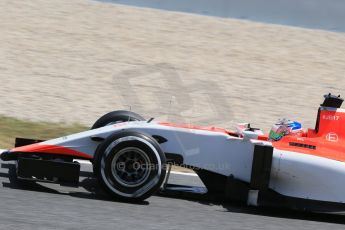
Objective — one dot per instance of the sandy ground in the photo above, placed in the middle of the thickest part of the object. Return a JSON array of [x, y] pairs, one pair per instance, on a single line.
[[73, 60]]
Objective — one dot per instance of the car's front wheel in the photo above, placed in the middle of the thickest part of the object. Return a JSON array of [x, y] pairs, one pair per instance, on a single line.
[[130, 165], [116, 117]]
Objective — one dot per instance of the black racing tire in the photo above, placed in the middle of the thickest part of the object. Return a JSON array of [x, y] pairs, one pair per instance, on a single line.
[[116, 117], [130, 166]]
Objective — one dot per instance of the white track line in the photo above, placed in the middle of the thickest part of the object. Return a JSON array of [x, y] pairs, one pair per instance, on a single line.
[[85, 162], [183, 173]]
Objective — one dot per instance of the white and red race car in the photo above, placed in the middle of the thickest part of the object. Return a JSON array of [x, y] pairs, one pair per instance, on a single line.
[[129, 157]]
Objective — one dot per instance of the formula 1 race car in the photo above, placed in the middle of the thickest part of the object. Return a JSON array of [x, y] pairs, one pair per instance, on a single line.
[[304, 170]]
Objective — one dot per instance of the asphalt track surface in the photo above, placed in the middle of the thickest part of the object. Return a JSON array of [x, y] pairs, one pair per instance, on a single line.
[[50, 206]]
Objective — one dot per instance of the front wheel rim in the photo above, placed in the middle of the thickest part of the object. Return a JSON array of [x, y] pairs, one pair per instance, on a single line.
[[130, 167]]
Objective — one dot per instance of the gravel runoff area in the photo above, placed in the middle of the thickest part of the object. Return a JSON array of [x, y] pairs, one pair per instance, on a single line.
[[73, 60]]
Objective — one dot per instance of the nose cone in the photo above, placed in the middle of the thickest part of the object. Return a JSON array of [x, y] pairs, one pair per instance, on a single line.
[[7, 156]]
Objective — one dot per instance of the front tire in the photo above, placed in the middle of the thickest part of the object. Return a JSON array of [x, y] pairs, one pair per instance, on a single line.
[[116, 117], [130, 166]]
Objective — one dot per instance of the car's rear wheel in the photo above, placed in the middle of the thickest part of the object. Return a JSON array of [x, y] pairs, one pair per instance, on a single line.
[[130, 165], [116, 117]]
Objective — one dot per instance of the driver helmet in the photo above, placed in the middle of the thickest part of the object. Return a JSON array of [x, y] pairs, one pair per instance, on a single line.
[[284, 127]]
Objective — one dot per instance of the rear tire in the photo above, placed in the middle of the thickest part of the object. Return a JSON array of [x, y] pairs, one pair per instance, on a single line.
[[116, 117], [130, 166]]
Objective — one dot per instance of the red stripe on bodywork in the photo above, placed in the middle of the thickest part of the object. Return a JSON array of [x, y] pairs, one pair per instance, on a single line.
[[51, 149]]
